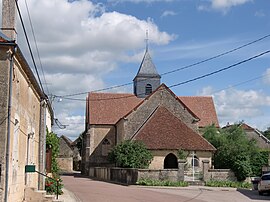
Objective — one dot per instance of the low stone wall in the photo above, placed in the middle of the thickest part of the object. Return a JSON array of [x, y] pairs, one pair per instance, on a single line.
[[131, 176], [217, 174], [164, 174], [221, 174]]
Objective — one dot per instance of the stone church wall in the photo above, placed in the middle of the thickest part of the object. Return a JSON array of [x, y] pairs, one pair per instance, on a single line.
[[98, 150], [161, 97]]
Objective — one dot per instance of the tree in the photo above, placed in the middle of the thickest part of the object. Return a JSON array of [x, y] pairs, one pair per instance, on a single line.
[[235, 151], [267, 133], [131, 154]]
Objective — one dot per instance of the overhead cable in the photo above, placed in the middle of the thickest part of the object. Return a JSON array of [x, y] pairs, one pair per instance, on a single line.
[[173, 71], [181, 83]]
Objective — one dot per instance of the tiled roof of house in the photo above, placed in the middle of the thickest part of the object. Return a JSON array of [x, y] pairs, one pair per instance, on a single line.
[[203, 107], [176, 134], [108, 108]]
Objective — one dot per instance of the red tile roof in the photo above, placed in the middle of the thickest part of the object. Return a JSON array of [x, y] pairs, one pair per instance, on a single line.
[[203, 107], [165, 131], [108, 108]]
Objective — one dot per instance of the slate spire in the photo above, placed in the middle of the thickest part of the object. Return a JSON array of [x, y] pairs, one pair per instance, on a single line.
[[147, 78]]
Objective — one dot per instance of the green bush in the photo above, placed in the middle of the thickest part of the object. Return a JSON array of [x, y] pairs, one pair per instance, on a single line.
[[131, 154], [151, 182], [52, 142], [217, 183]]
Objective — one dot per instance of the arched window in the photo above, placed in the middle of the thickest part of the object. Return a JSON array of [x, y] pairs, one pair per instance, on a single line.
[[170, 162], [196, 161], [148, 89], [106, 146]]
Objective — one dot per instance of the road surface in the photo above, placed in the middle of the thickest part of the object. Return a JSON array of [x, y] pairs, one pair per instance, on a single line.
[[88, 190]]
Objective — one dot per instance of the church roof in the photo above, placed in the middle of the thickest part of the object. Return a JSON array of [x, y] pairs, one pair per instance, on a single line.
[[203, 107], [147, 67], [108, 108], [176, 134]]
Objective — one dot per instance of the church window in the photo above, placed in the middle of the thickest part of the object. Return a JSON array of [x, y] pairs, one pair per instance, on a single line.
[[148, 89], [106, 146]]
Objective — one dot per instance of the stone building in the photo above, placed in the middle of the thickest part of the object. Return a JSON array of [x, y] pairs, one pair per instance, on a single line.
[[152, 114], [69, 156], [23, 111], [253, 134]]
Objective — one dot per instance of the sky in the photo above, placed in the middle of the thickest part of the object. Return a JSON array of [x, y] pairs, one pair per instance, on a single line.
[[90, 45]]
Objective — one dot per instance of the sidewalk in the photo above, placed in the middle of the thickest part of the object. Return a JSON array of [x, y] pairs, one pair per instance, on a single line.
[[68, 196]]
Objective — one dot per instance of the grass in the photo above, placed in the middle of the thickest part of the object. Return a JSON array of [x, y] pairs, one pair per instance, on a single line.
[[217, 183], [151, 182]]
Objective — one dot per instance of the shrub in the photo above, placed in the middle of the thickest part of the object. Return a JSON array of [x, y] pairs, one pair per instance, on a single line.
[[131, 154], [51, 186], [152, 182]]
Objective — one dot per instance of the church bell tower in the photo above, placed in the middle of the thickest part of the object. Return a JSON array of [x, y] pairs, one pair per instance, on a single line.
[[147, 78]]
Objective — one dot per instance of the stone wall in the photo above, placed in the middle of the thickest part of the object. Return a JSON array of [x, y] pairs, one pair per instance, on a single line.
[[161, 97], [65, 164], [4, 75], [132, 175], [221, 174], [216, 174]]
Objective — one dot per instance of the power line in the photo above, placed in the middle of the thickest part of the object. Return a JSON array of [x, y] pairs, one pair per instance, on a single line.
[[28, 43], [181, 83], [220, 70], [173, 71], [35, 41]]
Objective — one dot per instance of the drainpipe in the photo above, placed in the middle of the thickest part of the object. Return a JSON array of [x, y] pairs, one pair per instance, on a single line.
[[42, 144], [11, 54]]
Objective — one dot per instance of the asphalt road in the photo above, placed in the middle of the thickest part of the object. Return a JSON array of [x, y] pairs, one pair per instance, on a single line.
[[88, 190]]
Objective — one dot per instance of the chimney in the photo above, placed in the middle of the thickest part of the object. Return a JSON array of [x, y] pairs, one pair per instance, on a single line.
[[9, 18]]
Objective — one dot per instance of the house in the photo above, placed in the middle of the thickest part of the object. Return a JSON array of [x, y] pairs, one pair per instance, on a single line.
[[254, 134], [69, 156], [23, 110], [152, 114]]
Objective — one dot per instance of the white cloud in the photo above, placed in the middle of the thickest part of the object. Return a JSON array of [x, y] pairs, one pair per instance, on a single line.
[[140, 1], [266, 77], [79, 44], [234, 105], [259, 13], [168, 13], [222, 5]]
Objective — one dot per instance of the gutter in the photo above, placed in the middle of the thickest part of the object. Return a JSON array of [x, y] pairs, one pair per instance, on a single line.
[[9, 117]]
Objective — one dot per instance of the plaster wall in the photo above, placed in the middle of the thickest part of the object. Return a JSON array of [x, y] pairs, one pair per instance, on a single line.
[[25, 120]]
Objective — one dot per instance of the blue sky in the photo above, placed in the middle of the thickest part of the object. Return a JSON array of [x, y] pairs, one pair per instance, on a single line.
[[89, 45]]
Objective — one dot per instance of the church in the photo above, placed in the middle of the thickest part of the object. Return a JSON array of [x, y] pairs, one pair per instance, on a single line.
[[153, 114]]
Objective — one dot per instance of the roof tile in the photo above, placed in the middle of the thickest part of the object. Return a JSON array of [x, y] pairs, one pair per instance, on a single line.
[[165, 131]]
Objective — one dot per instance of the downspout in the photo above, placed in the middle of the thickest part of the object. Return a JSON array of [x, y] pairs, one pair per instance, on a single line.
[[11, 54], [42, 144]]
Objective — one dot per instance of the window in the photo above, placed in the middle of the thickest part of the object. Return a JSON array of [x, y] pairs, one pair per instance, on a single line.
[[148, 89], [106, 146]]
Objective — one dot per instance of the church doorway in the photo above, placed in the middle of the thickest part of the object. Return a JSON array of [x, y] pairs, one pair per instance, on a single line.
[[170, 162]]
